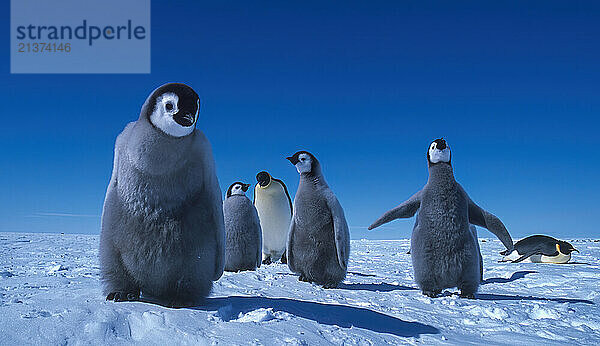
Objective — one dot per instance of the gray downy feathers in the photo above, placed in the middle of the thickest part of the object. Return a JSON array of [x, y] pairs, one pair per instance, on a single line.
[[445, 252], [162, 221], [243, 236], [319, 241]]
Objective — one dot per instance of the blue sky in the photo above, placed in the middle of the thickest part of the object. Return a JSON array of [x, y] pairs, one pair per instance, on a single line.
[[513, 86]]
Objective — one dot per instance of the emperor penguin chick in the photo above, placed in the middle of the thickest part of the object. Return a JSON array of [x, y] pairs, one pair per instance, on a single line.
[[243, 236], [274, 206], [162, 222], [318, 245], [444, 249]]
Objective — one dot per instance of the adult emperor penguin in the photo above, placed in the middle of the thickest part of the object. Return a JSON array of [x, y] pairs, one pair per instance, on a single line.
[[274, 206], [443, 248], [162, 223], [539, 249], [318, 244], [242, 230]]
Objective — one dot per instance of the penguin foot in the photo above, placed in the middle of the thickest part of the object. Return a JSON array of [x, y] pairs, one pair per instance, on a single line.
[[303, 278], [330, 285], [284, 258], [432, 294], [267, 261], [123, 296]]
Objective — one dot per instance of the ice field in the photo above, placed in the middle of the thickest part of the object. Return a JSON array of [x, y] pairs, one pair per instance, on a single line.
[[50, 294]]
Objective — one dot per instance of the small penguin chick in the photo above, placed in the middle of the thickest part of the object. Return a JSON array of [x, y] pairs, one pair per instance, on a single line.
[[237, 188], [242, 230]]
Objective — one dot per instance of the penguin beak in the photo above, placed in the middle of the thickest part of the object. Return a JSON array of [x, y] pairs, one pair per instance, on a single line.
[[293, 160], [184, 119], [245, 187], [574, 249]]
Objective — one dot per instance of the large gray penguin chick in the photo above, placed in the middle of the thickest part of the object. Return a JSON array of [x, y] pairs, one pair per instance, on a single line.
[[243, 235], [318, 244], [444, 250], [162, 224]]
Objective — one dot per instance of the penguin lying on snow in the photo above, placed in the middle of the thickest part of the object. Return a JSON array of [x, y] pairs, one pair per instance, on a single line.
[[242, 230], [318, 245], [274, 206], [162, 221], [539, 249], [444, 249]]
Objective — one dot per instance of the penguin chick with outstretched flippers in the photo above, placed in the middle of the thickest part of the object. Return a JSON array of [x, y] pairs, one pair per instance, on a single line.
[[539, 249], [162, 223], [243, 236], [318, 244], [444, 250], [274, 206]]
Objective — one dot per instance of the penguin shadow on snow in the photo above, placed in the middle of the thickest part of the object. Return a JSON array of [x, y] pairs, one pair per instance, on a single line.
[[498, 297], [381, 287], [229, 308], [362, 274], [515, 276]]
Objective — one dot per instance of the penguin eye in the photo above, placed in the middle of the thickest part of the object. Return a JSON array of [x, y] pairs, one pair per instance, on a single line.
[[169, 106]]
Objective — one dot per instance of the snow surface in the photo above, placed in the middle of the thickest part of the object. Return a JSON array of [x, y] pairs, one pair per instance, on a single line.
[[50, 294]]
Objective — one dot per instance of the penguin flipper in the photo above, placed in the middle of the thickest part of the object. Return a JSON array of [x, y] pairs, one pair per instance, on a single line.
[[287, 194], [482, 218], [290, 257], [405, 210], [473, 231], [527, 255], [259, 251], [341, 232]]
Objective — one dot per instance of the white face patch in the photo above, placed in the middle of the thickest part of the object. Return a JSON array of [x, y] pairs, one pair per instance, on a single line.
[[304, 164], [237, 190], [436, 155], [162, 117]]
